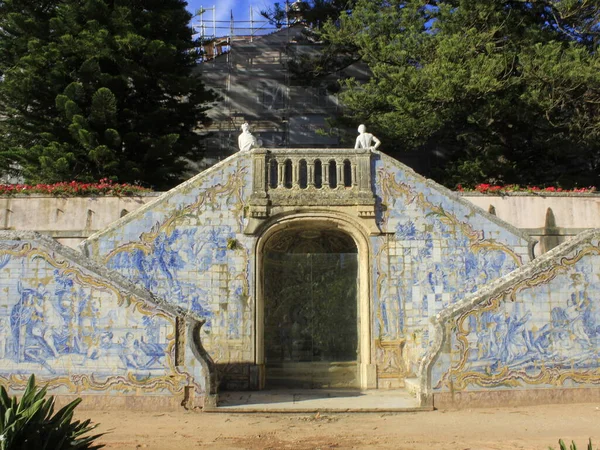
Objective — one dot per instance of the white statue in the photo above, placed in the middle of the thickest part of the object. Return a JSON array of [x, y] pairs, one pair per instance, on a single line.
[[365, 140], [246, 141]]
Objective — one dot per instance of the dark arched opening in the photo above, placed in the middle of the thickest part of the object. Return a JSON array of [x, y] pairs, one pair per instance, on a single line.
[[310, 309]]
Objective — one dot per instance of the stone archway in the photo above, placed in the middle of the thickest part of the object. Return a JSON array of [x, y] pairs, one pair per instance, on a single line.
[[304, 233]]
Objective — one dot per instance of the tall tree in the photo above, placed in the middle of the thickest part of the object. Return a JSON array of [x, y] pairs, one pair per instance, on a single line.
[[505, 91], [99, 88], [312, 13]]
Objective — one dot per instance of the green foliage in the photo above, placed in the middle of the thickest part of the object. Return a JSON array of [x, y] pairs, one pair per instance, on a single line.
[[93, 89], [573, 446], [502, 92], [31, 424], [311, 12]]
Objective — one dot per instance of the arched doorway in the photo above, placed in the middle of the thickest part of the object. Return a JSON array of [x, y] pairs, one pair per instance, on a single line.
[[311, 328]]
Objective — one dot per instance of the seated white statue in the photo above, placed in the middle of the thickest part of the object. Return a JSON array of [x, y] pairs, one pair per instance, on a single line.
[[246, 141], [365, 140]]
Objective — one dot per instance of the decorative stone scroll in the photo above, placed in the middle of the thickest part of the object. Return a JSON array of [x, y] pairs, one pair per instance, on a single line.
[[311, 177]]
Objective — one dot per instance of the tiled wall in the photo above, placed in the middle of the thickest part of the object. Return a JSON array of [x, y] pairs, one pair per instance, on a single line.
[[78, 330], [438, 248], [83, 333], [539, 329], [188, 248]]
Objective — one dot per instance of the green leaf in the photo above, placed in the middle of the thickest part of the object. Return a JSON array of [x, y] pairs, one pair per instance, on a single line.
[[104, 107]]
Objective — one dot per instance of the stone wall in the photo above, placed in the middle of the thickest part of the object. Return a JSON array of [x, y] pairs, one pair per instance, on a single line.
[[69, 220], [549, 217], [86, 331], [426, 250], [531, 336]]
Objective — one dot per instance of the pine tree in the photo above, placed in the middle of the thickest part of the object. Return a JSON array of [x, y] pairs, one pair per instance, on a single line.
[[99, 88], [502, 91], [312, 13]]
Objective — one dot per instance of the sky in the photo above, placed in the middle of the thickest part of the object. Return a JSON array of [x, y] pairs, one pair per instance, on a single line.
[[223, 11]]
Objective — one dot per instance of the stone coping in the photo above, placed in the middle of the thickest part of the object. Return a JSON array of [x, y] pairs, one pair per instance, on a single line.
[[461, 193]]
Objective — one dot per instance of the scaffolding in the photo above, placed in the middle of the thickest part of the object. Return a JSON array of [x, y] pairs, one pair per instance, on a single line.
[[216, 36], [247, 62]]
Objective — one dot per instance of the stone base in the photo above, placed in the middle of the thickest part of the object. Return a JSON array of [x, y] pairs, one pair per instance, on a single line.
[[131, 402], [514, 397]]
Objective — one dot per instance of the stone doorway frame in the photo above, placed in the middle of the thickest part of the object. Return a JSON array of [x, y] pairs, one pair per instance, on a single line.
[[331, 220]]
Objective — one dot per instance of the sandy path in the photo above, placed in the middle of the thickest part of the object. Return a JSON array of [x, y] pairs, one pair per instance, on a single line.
[[536, 427]]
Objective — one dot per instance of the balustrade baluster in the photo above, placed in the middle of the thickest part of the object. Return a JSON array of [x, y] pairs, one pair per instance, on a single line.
[[310, 172], [295, 173], [339, 172], [325, 171], [280, 173]]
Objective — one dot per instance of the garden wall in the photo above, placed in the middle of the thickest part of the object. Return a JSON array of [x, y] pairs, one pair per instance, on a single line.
[[547, 217]]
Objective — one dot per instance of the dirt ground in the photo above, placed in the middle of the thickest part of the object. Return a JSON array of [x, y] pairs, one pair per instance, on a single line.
[[536, 427]]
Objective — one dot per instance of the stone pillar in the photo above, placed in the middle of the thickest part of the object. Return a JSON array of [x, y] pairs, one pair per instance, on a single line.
[[259, 173], [364, 173], [259, 201]]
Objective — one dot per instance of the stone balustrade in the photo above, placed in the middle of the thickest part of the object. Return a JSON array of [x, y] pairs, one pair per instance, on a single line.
[[311, 177]]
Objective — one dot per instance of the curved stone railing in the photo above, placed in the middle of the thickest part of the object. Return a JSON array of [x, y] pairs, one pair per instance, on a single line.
[[311, 177]]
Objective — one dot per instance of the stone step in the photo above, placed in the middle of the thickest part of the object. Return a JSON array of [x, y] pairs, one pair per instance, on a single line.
[[312, 374], [317, 400]]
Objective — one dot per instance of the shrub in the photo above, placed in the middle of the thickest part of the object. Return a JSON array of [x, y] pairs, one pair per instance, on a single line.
[[30, 424], [75, 189], [510, 188]]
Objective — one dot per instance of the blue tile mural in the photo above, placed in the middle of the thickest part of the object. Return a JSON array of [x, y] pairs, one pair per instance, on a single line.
[[541, 330], [78, 331], [437, 249], [188, 248]]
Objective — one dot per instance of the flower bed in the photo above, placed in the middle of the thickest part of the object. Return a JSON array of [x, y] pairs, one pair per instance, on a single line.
[[512, 188], [104, 187]]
